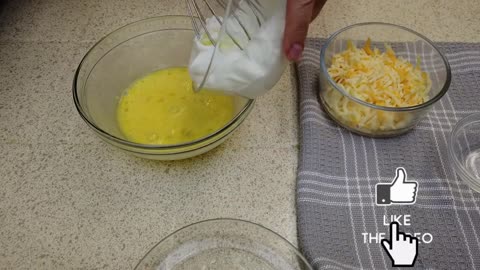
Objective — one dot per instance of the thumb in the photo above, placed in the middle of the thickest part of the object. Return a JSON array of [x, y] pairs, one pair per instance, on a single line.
[[400, 176], [299, 16], [386, 245]]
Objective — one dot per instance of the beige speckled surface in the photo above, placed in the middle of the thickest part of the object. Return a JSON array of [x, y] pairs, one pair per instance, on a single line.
[[67, 200]]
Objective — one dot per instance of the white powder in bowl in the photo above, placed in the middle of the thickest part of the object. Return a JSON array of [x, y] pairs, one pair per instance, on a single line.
[[249, 72]]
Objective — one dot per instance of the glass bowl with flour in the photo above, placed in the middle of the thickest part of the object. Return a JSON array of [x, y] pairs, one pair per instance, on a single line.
[[242, 52]]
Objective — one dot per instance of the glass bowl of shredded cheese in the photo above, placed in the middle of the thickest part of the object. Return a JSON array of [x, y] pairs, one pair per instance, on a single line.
[[380, 79]]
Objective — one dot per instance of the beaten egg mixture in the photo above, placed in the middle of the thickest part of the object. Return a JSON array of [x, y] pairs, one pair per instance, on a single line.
[[161, 108]]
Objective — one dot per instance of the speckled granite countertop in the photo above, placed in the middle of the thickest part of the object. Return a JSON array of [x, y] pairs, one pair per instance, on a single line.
[[68, 200]]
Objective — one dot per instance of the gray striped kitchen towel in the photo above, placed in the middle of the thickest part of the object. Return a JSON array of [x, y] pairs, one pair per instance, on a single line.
[[339, 223]]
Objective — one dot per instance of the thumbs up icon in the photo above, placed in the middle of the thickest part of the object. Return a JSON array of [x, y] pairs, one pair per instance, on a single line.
[[400, 191]]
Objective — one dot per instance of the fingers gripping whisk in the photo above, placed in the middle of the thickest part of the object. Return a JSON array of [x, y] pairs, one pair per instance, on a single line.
[[235, 13]]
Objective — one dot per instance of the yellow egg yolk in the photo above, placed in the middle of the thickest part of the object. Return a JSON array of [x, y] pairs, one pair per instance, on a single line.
[[161, 108]]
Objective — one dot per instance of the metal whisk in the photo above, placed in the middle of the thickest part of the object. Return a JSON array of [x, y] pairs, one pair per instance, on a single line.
[[199, 10]]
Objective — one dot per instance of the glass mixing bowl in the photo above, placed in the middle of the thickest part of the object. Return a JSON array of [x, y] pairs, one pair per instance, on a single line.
[[221, 244], [126, 55], [379, 121], [464, 150]]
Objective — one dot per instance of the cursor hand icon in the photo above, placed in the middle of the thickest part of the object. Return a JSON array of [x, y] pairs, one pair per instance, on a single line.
[[402, 248], [400, 191]]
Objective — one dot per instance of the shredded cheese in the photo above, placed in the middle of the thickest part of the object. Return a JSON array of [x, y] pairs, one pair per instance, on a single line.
[[379, 78]]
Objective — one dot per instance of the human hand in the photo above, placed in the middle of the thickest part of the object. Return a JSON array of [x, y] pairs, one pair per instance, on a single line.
[[299, 15]]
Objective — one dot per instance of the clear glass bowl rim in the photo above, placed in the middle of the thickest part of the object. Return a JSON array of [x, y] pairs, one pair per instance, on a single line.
[[213, 136], [464, 122], [323, 69], [246, 222]]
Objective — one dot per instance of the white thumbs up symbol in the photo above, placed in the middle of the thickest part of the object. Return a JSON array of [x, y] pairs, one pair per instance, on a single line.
[[400, 191]]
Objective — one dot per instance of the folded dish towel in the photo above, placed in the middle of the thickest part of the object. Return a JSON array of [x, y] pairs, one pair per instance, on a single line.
[[340, 225]]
